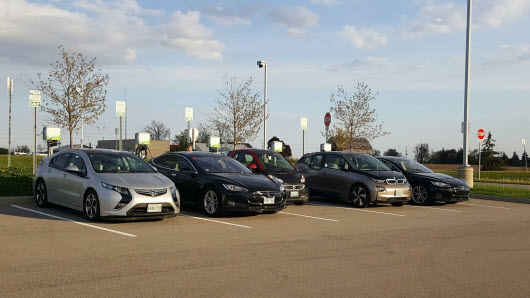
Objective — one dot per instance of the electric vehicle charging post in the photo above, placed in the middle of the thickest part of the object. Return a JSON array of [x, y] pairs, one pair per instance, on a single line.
[[52, 136], [326, 147], [214, 143], [277, 146], [142, 140]]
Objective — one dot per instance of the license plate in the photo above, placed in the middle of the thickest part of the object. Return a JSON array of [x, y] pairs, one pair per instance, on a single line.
[[294, 194], [268, 200], [399, 193], [154, 208]]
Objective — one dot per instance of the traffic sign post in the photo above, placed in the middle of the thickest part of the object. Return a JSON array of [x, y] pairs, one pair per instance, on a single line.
[[303, 126], [480, 134], [120, 112], [327, 122], [34, 102], [189, 117], [193, 134]]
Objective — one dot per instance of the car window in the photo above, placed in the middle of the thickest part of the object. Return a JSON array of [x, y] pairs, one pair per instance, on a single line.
[[219, 164], [244, 158], [77, 160], [336, 162], [274, 161], [118, 162], [367, 163], [316, 162], [414, 167], [305, 159], [182, 164], [390, 165], [59, 162], [166, 161]]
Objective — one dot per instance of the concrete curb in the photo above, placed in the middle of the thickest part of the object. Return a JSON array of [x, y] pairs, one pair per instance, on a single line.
[[16, 200], [500, 199]]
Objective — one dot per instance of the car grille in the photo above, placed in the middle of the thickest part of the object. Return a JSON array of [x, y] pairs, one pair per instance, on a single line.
[[151, 192], [293, 187], [257, 197], [396, 181]]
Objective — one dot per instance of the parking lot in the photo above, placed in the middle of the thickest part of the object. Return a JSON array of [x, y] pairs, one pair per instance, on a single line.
[[476, 248]]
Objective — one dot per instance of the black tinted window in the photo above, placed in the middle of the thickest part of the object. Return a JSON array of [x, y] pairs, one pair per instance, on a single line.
[[336, 162], [316, 162], [305, 159], [244, 158], [182, 164], [59, 162]]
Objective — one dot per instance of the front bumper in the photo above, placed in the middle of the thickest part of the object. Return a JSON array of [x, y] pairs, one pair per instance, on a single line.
[[253, 202], [296, 192], [393, 193], [137, 207], [450, 194]]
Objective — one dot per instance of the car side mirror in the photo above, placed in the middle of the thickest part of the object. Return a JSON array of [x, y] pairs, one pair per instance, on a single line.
[[253, 167], [73, 169]]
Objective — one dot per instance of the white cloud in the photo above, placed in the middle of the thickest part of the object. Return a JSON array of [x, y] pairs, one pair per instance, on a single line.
[[494, 13], [325, 2], [364, 38], [294, 18], [518, 55], [112, 31], [296, 32], [435, 19], [227, 17]]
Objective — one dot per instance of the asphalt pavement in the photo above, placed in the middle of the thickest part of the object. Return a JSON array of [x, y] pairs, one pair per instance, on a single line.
[[477, 248]]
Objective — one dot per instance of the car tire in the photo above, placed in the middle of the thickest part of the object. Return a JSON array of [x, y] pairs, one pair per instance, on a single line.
[[299, 203], [41, 194], [270, 212], [397, 204], [211, 203], [420, 196], [91, 207], [360, 196]]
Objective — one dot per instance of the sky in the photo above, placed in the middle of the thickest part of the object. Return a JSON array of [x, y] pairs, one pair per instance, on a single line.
[[169, 55]]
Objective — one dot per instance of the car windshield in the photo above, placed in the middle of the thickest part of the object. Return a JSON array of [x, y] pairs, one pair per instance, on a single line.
[[367, 163], [220, 164], [413, 167], [118, 163], [274, 162]]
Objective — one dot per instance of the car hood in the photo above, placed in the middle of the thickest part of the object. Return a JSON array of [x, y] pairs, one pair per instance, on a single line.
[[441, 177], [384, 174], [292, 177], [252, 182], [135, 180]]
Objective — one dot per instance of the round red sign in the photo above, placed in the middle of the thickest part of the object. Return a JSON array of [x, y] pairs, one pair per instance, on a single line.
[[481, 134], [327, 119]]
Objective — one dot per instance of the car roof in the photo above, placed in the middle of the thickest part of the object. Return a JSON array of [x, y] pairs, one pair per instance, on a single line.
[[336, 152], [195, 153], [93, 151], [391, 157], [255, 150]]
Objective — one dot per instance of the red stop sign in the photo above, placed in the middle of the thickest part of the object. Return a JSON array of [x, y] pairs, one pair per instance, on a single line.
[[481, 134], [327, 119]]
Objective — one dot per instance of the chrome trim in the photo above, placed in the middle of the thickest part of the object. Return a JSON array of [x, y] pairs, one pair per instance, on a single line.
[[294, 187], [151, 192]]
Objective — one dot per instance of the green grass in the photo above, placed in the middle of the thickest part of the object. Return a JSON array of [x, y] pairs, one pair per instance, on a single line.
[[507, 177], [501, 191], [16, 180]]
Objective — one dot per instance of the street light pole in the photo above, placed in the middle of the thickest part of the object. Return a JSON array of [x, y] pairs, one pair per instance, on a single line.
[[10, 90], [263, 64], [466, 172]]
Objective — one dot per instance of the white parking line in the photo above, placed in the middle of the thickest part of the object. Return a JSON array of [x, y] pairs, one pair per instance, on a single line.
[[77, 222], [314, 217], [217, 221], [356, 209], [448, 210], [484, 206]]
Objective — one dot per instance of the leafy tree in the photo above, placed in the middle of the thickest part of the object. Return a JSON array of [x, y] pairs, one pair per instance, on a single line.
[[286, 150], [182, 140], [422, 153], [514, 160], [73, 89], [490, 159], [238, 113], [392, 152], [355, 117], [3, 151], [23, 149], [376, 152], [157, 130]]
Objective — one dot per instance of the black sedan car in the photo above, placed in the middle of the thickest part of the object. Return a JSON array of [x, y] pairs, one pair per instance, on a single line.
[[220, 184], [428, 186], [273, 164]]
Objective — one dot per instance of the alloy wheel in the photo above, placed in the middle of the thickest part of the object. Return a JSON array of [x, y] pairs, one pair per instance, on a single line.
[[419, 195], [210, 202], [91, 206], [359, 196], [40, 194]]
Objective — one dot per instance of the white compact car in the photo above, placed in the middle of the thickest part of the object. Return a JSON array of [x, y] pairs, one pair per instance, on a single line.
[[105, 183]]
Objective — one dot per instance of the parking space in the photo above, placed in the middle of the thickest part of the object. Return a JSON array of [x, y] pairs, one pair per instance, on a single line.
[[309, 249]]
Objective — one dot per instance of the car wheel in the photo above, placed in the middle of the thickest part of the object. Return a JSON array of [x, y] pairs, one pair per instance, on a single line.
[[397, 204], [270, 212], [360, 196], [212, 203], [91, 206], [299, 203], [41, 194], [420, 195]]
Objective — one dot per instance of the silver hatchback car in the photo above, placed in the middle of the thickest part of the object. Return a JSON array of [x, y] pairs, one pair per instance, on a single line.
[[105, 183]]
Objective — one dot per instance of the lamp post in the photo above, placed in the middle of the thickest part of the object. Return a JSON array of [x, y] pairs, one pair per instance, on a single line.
[[263, 64], [466, 172]]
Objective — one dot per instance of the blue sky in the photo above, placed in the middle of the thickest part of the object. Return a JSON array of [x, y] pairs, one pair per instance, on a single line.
[[173, 54]]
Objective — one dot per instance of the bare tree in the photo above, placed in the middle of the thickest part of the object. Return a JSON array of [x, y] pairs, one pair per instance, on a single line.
[[157, 130], [73, 90], [355, 117], [239, 111], [422, 153]]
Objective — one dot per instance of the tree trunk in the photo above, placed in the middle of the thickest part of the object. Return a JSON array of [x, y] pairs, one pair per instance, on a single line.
[[71, 140]]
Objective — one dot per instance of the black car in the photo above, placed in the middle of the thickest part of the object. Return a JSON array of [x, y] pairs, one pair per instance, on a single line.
[[428, 186], [219, 184], [273, 164], [353, 177]]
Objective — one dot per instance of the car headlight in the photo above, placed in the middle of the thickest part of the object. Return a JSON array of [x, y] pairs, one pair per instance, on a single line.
[[232, 187], [282, 188], [121, 190], [377, 180], [275, 179], [303, 179], [440, 184]]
